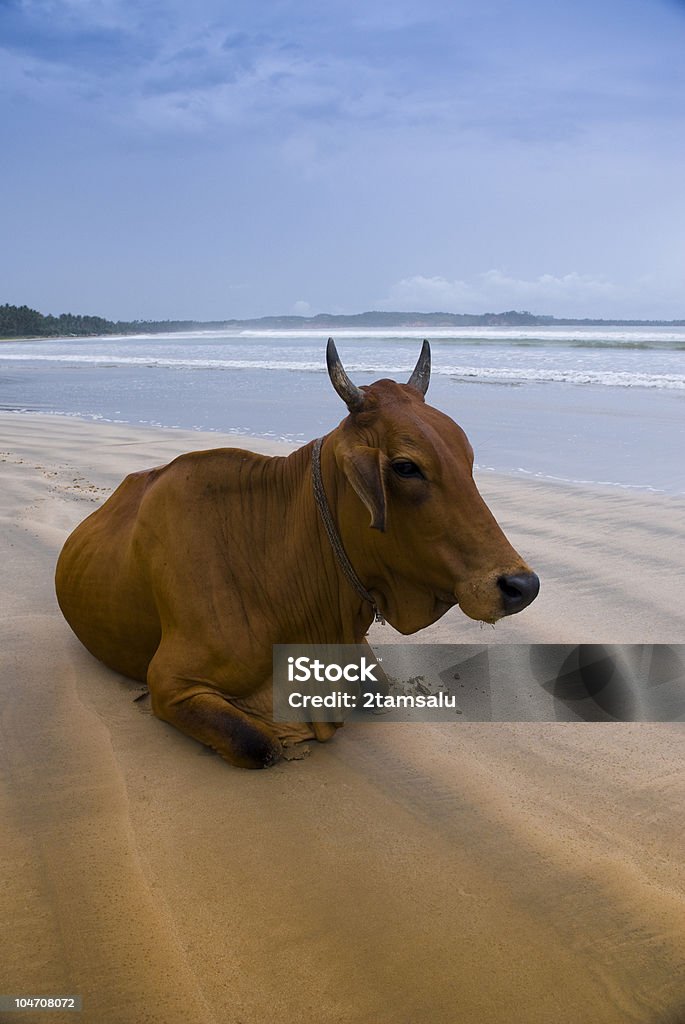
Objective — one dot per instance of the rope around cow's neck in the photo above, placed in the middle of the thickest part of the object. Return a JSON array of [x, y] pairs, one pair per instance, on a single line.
[[332, 531]]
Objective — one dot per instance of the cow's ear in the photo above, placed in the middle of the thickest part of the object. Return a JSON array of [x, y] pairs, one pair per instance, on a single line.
[[363, 467]]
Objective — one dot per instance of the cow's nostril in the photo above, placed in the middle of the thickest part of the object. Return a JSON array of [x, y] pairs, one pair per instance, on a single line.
[[518, 591]]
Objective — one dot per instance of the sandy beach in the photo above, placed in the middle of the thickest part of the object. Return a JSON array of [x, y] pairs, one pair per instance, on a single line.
[[467, 874]]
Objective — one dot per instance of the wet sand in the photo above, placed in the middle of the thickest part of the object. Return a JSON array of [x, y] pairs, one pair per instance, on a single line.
[[467, 874]]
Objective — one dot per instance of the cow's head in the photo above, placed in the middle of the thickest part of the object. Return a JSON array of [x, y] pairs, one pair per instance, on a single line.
[[412, 520]]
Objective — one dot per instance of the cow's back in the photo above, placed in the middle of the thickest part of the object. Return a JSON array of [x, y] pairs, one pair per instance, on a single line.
[[102, 588]]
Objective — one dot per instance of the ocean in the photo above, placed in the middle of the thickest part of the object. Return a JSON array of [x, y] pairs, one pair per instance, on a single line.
[[588, 405]]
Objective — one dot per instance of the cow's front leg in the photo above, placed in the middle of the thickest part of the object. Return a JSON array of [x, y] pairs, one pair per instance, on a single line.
[[203, 713]]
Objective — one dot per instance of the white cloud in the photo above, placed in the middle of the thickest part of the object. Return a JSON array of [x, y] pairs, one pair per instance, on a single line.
[[572, 294]]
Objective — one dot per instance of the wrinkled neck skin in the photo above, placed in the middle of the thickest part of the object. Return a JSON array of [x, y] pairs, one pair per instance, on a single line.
[[333, 611]]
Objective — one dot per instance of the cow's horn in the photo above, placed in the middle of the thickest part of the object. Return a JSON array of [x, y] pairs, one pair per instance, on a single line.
[[352, 396], [421, 376]]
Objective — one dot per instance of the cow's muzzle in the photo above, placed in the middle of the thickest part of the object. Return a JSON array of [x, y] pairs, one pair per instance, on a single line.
[[518, 591]]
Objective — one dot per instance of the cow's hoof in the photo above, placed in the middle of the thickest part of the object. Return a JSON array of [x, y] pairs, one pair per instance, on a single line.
[[250, 746], [265, 753]]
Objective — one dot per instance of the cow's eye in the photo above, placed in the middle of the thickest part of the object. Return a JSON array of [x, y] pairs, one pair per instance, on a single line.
[[405, 468]]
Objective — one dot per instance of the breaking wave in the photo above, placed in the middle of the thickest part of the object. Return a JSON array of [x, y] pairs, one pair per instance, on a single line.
[[458, 372]]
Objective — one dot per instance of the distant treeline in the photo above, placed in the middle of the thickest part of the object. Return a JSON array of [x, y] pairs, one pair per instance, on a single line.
[[24, 322]]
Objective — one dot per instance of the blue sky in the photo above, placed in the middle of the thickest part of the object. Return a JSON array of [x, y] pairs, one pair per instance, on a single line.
[[165, 160]]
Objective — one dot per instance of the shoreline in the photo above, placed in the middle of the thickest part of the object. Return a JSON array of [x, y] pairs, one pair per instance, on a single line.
[[409, 872], [604, 416], [247, 439]]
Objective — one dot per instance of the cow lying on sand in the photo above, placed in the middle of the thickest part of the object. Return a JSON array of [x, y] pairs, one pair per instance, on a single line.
[[190, 572]]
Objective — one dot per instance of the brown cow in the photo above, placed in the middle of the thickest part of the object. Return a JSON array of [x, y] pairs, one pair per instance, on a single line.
[[190, 572]]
